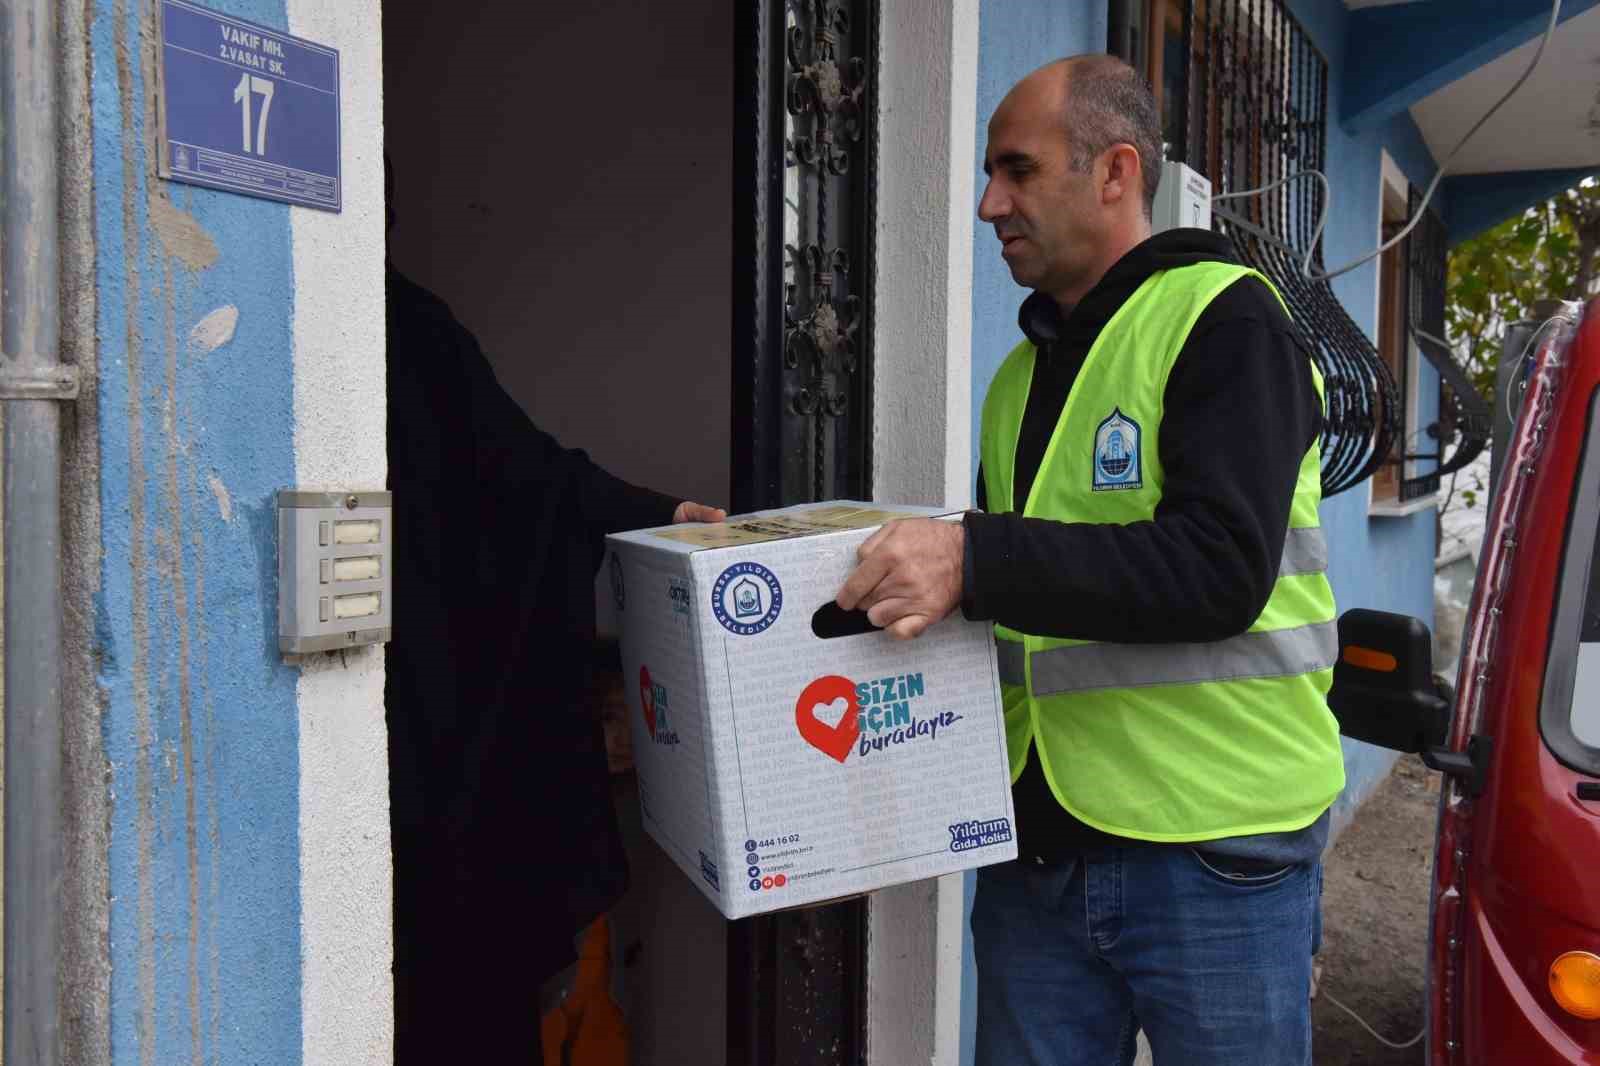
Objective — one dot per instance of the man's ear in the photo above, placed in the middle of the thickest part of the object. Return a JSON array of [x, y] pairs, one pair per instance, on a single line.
[[1124, 175]]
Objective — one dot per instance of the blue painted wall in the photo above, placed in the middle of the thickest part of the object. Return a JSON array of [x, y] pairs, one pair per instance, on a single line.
[[200, 715], [1382, 563]]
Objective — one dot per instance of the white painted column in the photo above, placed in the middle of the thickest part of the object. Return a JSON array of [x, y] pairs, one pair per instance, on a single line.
[[922, 339], [347, 993], [922, 409]]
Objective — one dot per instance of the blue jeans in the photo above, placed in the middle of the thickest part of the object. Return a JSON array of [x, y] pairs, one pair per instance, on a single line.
[[1212, 963]]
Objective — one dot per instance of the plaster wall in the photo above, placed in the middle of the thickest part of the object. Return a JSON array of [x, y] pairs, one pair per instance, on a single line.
[[247, 902], [922, 399], [346, 991]]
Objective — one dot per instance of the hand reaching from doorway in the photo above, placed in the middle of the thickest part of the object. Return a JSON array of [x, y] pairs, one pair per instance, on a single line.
[[909, 575], [697, 512]]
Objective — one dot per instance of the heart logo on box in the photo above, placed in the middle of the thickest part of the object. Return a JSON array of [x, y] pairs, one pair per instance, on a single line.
[[823, 695], [647, 699]]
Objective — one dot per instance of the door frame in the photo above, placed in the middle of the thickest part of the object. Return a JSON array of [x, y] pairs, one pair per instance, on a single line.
[[927, 169], [900, 952]]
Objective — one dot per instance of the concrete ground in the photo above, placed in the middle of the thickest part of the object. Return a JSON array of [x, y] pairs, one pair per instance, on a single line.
[[1377, 879]]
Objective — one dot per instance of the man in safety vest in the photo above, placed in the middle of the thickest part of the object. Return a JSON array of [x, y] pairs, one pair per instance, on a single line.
[[1147, 544]]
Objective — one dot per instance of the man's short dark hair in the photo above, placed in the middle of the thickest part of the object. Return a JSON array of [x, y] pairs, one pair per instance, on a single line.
[[1108, 103]]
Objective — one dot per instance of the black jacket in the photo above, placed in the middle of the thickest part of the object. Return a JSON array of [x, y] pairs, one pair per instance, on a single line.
[[1240, 411], [505, 840]]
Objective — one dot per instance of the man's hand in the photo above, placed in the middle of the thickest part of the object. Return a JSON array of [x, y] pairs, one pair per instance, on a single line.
[[697, 512], [909, 575]]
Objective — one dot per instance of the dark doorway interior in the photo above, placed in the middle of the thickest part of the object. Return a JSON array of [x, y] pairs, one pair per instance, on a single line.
[[563, 181]]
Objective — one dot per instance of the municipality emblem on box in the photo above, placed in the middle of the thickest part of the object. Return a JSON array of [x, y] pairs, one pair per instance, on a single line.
[[746, 599]]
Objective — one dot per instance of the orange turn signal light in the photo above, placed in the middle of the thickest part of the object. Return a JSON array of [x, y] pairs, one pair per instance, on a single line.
[[1371, 659], [1575, 984]]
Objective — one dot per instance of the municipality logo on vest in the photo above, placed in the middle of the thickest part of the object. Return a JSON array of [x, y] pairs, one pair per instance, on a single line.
[[1116, 454]]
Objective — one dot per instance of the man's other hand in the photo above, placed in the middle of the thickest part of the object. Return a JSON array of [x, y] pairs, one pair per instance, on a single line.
[[697, 512], [909, 575]]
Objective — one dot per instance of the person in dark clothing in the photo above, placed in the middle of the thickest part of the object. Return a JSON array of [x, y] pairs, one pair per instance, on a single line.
[[1147, 542], [505, 841]]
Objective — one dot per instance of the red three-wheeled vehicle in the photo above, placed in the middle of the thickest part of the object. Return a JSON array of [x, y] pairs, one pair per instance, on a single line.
[[1514, 968]]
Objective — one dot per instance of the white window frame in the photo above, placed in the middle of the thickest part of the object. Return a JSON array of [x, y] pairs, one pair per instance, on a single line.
[[1395, 188]]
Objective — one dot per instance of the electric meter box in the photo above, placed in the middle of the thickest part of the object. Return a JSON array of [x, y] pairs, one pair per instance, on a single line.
[[1183, 199], [335, 573]]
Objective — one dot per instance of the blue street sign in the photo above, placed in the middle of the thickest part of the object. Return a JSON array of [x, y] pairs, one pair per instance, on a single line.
[[248, 109]]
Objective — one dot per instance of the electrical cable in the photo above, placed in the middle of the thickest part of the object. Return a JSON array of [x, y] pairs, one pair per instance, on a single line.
[[1322, 219], [1327, 194], [1375, 1034], [1515, 384], [1529, 349]]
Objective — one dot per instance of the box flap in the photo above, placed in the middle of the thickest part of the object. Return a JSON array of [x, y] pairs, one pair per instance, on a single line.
[[803, 520]]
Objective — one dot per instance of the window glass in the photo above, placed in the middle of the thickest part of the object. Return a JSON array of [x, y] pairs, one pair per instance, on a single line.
[[1586, 686]]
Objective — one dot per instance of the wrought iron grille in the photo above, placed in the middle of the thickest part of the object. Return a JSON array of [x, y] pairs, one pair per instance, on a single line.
[[1465, 417], [804, 147], [828, 172], [809, 285], [1255, 93]]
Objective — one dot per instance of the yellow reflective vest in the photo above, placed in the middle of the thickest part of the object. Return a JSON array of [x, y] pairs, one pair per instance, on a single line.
[[1168, 742]]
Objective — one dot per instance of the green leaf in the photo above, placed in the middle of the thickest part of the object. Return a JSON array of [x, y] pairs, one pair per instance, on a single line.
[[1496, 277]]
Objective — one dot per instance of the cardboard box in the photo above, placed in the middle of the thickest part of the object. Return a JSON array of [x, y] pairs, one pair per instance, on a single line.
[[779, 768]]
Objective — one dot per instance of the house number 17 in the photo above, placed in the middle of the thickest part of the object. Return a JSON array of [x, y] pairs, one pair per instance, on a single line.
[[248, 84]]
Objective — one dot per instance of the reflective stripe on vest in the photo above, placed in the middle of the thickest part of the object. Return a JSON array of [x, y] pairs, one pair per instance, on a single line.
[[1013, 660], [1305, 551], [1272, 653]]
